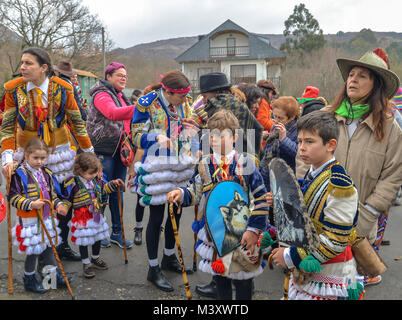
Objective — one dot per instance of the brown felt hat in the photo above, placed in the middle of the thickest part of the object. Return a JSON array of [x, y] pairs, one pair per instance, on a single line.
[[64, 67], [267, 84]]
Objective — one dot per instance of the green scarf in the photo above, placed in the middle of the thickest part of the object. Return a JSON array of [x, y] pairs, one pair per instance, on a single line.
[[357, 111]]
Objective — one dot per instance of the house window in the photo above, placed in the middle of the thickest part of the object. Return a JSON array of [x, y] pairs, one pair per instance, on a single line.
[[231, 46], [243, 73]]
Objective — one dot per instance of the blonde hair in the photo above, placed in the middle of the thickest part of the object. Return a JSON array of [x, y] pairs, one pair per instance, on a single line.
[[86, 161], [223, 119]]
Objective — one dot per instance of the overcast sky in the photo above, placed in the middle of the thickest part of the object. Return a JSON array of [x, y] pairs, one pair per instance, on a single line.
[[131, 22]]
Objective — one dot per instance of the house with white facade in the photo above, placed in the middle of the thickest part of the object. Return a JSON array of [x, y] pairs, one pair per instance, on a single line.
[[243, 56]]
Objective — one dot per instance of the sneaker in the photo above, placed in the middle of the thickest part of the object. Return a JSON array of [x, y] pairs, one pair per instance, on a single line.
[[98, 263], [88, 270], [371, 281], [105, 243], [117, 238]]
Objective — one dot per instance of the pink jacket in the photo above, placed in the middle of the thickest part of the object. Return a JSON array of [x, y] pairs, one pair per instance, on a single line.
[[105, 104]]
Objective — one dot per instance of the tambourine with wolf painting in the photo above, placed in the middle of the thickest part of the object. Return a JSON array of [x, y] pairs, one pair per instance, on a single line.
[[291, 219], [226, 212]]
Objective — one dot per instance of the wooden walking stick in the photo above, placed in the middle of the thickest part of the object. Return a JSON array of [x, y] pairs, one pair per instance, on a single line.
[[40, 215], [10, 248], [176, 236], [195, 240], [121, 222]]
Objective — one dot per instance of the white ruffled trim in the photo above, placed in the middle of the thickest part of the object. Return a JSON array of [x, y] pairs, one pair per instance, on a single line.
[[160, 163], [92, 232], [32, 237]]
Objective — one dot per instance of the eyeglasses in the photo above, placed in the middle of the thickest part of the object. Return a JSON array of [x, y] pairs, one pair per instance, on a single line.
[[119, 75]]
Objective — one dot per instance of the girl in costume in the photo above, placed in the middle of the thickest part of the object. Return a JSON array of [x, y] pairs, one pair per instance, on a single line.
[[83, 193], [31, 183], [368, 131], [240, 265], [157, 127]]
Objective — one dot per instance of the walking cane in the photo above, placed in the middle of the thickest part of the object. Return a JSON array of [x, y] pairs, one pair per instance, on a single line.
[[195, 240], [176, 236], [40, 215], [10, 248], [122, 225]]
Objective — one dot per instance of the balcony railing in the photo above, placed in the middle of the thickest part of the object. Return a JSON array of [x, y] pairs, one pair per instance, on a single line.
[[238, 51]]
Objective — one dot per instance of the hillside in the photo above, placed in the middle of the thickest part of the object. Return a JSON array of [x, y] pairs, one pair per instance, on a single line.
[[171, 48]]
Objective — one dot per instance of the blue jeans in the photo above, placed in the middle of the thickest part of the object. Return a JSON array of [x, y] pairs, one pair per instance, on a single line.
[[113, 168]]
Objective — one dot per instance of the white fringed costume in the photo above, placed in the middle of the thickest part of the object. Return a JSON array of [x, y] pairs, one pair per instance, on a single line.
[[157, 176]]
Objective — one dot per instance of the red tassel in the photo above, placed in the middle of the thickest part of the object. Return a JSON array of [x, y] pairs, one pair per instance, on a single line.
[[382, 54], [218, 266], [73, 229], [73, 239], [18, 231], [22, 247]]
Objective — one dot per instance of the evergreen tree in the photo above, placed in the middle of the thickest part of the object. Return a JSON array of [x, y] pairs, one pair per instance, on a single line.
[[302, 31]]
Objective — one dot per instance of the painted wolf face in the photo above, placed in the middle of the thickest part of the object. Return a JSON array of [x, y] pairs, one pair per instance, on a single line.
[[235, 215]]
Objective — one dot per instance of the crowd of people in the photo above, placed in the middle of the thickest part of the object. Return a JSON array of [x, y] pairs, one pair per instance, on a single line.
[[65, 161]]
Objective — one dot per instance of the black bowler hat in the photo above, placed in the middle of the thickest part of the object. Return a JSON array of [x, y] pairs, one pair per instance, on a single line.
[[213, 81]]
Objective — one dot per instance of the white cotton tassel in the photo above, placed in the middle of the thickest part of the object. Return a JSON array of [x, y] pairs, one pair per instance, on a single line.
[[37, 249], [28, 251], [28, 232]]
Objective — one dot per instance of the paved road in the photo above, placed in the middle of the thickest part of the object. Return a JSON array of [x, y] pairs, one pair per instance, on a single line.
[[128, 281]]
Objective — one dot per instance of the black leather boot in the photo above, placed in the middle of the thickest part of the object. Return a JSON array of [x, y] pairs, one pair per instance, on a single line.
[[61, 283], [32, 284], [137, 236], [171, 263], [207, 290], [156, 276], [66, 253]]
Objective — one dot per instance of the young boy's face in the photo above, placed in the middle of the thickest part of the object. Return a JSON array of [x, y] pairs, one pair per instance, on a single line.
[[312, 149], [222, 142]]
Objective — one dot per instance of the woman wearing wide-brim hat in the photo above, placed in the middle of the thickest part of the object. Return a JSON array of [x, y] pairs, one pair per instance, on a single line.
[[370, 140]]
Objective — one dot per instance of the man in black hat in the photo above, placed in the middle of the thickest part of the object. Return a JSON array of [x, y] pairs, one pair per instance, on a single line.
[[215, 89]]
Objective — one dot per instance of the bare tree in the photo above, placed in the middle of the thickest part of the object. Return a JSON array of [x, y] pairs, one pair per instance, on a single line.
[[62, 26]]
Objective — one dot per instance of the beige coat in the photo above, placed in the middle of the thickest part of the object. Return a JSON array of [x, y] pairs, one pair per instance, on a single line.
[[375, 168]]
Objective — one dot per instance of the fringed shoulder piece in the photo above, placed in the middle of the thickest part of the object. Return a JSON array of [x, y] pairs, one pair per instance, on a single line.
[[63, 83], [144, 102], [12, 84], [340, 184]]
